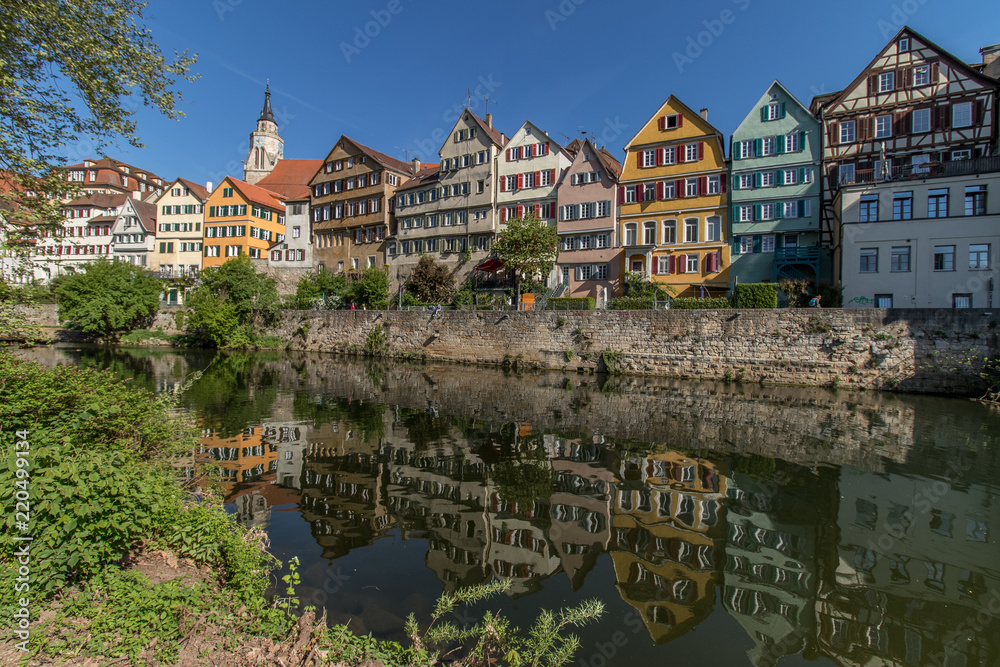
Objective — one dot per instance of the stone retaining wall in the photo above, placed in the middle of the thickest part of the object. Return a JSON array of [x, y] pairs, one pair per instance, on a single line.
[[908, 350]]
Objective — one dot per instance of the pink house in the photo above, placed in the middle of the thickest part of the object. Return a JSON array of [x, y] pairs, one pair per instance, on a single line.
[[589, 246]]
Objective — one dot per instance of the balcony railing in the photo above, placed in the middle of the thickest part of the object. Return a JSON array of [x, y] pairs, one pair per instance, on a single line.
[[800, 254], [980, 165]]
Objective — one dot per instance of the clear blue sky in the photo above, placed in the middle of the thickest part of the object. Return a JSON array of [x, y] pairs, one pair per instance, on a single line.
[[567, 65]]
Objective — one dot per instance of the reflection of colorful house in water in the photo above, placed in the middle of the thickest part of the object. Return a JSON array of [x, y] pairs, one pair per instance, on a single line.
[[770, 570], [519, 549], [580, 506], [666, 539], [241, 458], [916, 569]]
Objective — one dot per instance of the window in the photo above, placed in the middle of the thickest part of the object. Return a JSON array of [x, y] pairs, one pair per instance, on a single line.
[[691, 230], [744, 149], [961, 114], [767, 179], [767, 211], [631, 234], [937, 203], [869, 260], [772, 112], [961, 301], [669, 232], [768, 146], [746, 213], [649, 158], [921, 120], [964, 154], [792, 144], [663, 264], [868, 209], [846, 173], [847, 132], [900, 260], [746, 244], [649, 233], [649, 193], [691, 152], [670, 155], [713, 185], [883, 301], [902, 206], [975, 200], [233, 250], [211, 251], [744, 181], [692, 264], [883, 127], [371, 261], [979, 256], [227, 192], [296, 232], [904, 44], [886, 82], [767, 243], [921, 75], [671, 121], [670, 190], [944, 258], [713, 228]]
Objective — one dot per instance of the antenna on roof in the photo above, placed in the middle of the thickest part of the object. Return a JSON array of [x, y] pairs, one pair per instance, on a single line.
[[487, 100], [406, 152], [565, 137]]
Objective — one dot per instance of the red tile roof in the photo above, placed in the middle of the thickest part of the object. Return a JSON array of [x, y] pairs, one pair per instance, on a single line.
[[256, 194], [290, 178], [199, 191]]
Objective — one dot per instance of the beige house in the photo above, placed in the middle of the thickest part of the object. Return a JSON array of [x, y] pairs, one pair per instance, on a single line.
[[922, 242], [180, 212]]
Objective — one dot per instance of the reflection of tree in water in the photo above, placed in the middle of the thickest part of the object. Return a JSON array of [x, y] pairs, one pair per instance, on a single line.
[[236, 390], [365, 418], [425, 427], [526, 474]]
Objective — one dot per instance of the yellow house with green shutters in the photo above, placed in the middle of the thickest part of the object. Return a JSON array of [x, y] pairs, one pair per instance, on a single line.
[[674, 205]]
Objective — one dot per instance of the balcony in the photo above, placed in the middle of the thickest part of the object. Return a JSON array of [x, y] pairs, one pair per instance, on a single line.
[[801, 254], [980, 165]]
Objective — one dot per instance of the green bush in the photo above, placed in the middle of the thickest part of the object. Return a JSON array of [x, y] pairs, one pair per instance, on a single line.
[[690, 303], [571, 303], [233, 304], [755, 295], [631, 303], [323, 289], [108, 298]]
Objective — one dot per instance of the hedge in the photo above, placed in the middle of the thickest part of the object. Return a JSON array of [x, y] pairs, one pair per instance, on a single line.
[[755, 295], [691, 303], [631, 303], [571, 303]]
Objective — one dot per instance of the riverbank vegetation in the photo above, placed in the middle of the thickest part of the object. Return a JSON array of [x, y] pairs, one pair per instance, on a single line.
[[128, 565]]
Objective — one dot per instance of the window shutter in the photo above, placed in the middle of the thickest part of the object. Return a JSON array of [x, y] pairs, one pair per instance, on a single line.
[[756, 212], [681, 264], [552, 175], [520, 211], [756, 179], [872, 85], [779, 210], [779, 177], [701, 150], [723, 183], [680, 120], [763, 113], [907, 77], [663, 123], [538, 179], [713, 262], [779, 144], [509, 154], [737, 246], [680, 153], [638, 159], [679, 190], [782, 115], [659, 190], [659, 157], [503, 184], [639, 192], [654, 265], [520, 181], [672, 264], [802, 208], [977, 112], [702, 185], [758, 145], [802, 174], [758, 243], [503, 214], [621, 194], [935, 70], [802, 141], [538, 210]]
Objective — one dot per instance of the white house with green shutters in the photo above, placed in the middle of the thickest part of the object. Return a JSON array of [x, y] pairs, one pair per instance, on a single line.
[[775, 193]]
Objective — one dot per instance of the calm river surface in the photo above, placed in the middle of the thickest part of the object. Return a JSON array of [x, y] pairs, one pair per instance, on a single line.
[[720, 524]]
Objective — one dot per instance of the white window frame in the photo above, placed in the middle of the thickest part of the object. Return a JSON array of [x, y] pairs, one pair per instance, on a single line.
[[883, 126], [961, 114], [921, 75], [924, 116], [848, 132], [887, 82]]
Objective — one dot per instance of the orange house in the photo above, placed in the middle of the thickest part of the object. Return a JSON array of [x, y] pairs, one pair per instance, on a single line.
[[241, 219], [674, 204]]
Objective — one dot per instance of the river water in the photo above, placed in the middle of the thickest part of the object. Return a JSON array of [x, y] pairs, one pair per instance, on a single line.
[[720, 524]]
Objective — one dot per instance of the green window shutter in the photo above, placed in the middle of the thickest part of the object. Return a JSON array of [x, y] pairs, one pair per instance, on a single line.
[[802, 208], [779, 144], [737, 246], [779, 210], [763, 113], [756, 179], [779, 177], [756, 212], [782, 110], [802, 174], [802, 140], [758, 146], [758, 243]]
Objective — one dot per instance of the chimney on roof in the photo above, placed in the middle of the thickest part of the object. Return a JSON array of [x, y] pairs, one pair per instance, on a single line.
[[208, 185], [416, 165], [489, 120], [990, 53], [704, 113]]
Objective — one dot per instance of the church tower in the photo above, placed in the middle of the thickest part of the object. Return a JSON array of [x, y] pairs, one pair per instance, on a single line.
[[266, 147]]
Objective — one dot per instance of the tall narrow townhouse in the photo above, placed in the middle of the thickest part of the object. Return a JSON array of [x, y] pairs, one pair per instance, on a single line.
[[351, 202], [467, 215], [775, 195], [181, 211], [241, 219], [589, 262], [134, 233], [913, 108], [293, 255], [418, 225], [673, 202]]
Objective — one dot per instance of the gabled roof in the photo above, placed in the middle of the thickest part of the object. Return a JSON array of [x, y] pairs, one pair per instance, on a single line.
[[255, 194], [387, 162], [106, 163], [574, 147], [424, 177], [144, 211], [199, 191], [609, 161], [755, 110], [674, 102], [291, 178], [952, 61], [821, 101], [536, 131], [495, 136], [99, 200]]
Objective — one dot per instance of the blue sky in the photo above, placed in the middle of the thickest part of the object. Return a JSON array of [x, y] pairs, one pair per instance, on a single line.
[[392, 74]]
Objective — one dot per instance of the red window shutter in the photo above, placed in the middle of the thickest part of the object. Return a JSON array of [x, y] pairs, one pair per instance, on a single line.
[[679, 189], [672, 264], [638, 159], [723, 183], [682, 264], [520, 181], [621, 194], [503, 184], [659, 157], [509, 155], [503, 214], [662, 123], [701, 150], [538, 178], [659, 190], [713, 258], [520, 211], [639, 188], [552, 176], [680, 153], [654, 266], [702, 185], [680, 120]]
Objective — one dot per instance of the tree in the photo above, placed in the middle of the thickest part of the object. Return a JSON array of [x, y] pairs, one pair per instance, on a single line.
[[233, 304], [323, 285], [431, 282], [72, 71], [370, 288], [108, 298], [528, 247]]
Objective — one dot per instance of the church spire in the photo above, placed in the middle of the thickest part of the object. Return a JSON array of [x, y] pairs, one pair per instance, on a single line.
[[266, 113]]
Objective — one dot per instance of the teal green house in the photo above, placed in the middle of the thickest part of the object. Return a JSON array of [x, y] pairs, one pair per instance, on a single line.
[[775, 194]]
